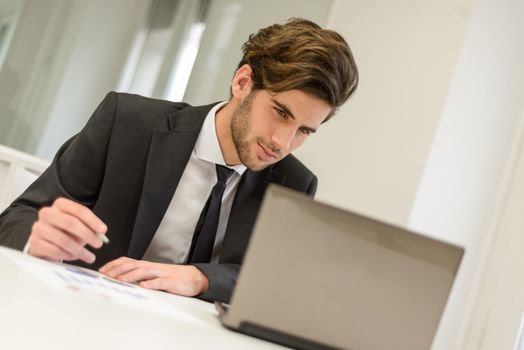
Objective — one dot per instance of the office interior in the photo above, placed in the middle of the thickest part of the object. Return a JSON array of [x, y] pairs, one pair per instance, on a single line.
[[431, 141]]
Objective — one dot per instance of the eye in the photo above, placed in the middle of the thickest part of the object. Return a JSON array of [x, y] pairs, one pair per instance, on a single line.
[[305, 131], [281, 112]]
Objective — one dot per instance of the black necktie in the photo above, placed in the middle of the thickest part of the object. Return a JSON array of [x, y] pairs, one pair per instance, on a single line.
[[206, 228]]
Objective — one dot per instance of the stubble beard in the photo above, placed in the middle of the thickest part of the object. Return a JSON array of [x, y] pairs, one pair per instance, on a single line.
[[240, 128]]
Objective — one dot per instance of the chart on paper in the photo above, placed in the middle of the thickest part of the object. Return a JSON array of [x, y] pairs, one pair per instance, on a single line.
[[90, 284]]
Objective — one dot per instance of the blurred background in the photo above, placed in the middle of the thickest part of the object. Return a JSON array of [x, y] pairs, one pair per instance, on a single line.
[[430, 141], [58, 58]]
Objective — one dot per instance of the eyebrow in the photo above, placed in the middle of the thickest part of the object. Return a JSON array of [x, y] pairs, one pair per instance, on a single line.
[[285, 109]]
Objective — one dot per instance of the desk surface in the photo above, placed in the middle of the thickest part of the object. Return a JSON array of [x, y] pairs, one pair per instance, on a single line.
[[37, 315]]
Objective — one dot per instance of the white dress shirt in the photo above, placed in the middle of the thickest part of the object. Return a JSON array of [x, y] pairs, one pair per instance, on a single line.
[[172, 239]]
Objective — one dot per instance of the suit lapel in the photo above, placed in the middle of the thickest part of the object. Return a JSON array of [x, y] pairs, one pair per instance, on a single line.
[[169, 152]]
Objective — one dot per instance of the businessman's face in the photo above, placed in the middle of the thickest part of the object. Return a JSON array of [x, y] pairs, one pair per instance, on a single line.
[[267, 126]]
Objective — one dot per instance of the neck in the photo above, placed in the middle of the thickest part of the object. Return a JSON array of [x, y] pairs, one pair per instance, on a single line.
[[223, 128]]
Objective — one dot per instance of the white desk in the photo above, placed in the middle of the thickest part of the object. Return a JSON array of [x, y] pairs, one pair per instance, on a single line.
[[36, 315]]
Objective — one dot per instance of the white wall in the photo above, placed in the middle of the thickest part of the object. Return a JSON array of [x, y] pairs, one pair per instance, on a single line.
[[459, 191], [497, 315], [371, 155]]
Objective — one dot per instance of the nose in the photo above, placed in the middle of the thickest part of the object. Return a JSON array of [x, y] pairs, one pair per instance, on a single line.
[[283, 137]]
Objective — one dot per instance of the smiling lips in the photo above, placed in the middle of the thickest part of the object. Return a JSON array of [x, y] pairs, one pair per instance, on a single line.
[[265, 153]]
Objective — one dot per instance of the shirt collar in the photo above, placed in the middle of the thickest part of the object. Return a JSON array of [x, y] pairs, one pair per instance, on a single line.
[[207, 147]]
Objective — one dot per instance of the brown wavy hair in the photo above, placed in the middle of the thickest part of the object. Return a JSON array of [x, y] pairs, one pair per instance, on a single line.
[[301, 55]]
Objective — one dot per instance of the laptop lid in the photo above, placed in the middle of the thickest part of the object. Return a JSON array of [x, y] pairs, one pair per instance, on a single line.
[[315, 276]]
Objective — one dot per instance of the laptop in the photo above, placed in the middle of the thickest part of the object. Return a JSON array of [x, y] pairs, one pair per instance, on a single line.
[[318, 277]]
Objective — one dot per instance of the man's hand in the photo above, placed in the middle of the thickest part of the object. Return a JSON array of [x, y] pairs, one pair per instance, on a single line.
[[62, 231], [184, 280]]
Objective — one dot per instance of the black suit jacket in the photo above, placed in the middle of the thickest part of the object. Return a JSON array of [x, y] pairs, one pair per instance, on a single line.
[[125, 165]]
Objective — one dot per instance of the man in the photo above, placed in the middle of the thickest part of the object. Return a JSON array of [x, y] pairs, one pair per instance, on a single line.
[[141, 170]]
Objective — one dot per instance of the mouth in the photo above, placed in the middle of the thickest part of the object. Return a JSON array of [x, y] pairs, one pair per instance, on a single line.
[[265, 153]]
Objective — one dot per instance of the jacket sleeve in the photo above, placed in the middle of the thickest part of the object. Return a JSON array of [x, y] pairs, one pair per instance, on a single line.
[[76, 173], [223, 277], [312, 188]]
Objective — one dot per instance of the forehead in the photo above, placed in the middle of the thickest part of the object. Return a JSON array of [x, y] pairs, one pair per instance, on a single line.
[[304, 107]]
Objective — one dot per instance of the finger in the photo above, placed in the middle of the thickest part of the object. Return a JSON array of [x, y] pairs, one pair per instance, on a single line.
[[123, 268], [171, 285], [139, 274], [43, 249], [160, 283], [82, 213], [70, 224], [114, 263], [43, 231]]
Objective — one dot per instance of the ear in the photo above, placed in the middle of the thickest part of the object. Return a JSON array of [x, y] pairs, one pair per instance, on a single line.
[[242, 82]]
